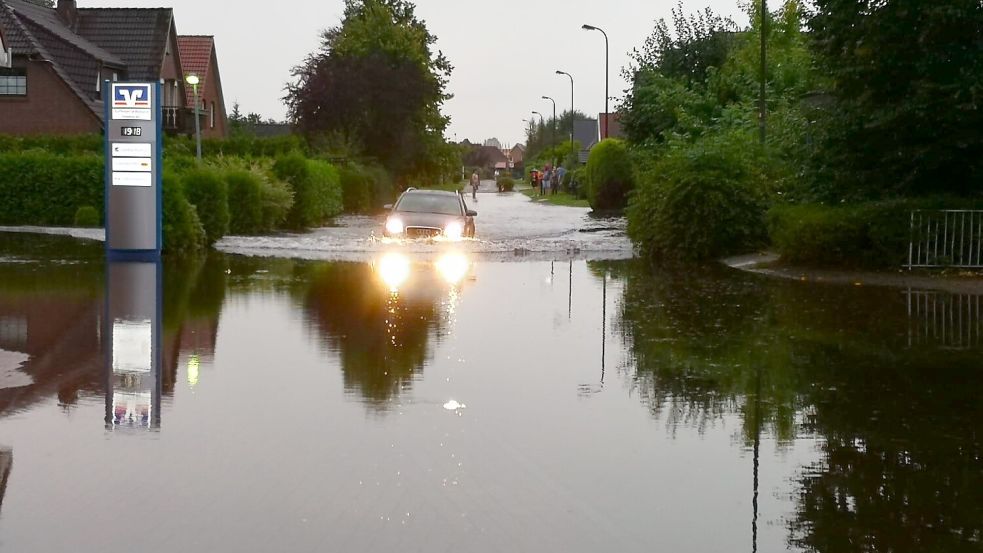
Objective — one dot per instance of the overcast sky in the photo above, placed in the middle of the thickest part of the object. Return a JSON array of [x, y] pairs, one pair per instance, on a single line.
[[504, 52]]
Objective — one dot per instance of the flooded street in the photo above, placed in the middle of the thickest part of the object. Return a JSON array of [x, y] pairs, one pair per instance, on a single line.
[[532, 390]]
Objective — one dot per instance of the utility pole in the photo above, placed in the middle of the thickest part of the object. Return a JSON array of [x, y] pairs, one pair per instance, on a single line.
[[762, 100]]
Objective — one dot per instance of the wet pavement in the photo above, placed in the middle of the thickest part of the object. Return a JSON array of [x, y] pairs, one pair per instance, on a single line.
[[429, 398]]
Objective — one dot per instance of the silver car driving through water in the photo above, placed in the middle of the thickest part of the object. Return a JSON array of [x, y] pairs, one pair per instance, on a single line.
[[430, 214]]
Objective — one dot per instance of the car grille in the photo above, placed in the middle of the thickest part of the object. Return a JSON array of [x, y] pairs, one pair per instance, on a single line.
[[422, 232]]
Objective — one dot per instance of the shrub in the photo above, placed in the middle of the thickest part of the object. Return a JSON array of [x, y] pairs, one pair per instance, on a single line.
[[870, 235], [277, 199], [701, 201], [609, 175], [208, 192], [87, 216], [316, 189], [39, 188], [356, 187], [183, 231], [245, 201], [506, 184]]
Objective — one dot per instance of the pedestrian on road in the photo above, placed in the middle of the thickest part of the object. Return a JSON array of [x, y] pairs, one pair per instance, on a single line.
[[547, 179], [475, 182], [555, 181]]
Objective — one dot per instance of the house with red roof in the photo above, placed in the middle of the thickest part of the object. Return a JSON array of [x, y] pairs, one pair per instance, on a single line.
[[58, 59], [198, 57]]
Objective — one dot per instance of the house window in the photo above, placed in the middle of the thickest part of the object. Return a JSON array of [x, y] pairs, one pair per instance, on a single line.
[[13, 82], [211, 116]]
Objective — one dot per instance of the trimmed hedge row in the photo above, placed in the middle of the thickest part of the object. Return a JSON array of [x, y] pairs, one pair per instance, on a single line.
[[869, 235], [39, 188], [240, 146], [365, 188], [201, 203], [316, 187]]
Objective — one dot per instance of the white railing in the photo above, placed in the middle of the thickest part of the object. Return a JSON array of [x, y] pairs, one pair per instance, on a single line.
[[946, 238], [951, 321]]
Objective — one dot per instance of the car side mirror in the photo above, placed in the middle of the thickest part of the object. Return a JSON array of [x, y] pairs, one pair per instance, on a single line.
[[472, 213], [387, 206]]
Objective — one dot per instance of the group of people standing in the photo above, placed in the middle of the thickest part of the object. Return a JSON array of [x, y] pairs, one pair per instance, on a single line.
[[548, 180]]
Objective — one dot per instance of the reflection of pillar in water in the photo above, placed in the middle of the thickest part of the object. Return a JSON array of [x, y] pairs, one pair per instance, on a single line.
[[6, 464], [133, 361], [604, 322], [570, 295]]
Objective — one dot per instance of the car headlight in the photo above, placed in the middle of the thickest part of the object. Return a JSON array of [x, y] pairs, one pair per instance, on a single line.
[[394, 225], [454, 229]]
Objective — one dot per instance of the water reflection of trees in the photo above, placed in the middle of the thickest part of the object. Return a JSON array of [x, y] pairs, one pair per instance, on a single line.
[[697, 344], [383, 338], [902, 463], [902, 466]]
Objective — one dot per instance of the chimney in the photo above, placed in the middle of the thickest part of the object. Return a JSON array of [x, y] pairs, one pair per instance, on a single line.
[[68, 13]]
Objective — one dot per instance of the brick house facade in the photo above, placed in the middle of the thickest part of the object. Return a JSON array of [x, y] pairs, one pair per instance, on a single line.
[[62, 55]]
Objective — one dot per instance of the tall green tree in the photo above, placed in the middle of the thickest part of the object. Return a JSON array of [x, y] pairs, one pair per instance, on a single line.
[[377, 81], [908, 95]]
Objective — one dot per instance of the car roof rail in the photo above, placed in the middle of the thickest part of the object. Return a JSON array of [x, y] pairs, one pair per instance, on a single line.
[[411, 188]]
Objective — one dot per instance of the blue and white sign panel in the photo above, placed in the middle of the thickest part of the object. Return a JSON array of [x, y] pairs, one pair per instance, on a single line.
[[132, 102]]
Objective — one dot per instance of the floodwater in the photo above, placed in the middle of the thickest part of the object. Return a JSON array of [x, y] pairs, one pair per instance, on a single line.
[[477, 400]]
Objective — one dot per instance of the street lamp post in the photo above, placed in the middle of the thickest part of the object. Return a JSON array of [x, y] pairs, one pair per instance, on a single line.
[[573, 118], [192, 80], [607, 59], [762, 100], [553, 143]]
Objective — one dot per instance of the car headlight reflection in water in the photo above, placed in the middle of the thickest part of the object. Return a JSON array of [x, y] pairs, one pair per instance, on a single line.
[[454, 230], [453, 267], [394, 225], [394, 270]]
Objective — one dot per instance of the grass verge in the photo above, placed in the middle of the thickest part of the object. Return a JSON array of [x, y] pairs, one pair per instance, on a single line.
[[560, 198]]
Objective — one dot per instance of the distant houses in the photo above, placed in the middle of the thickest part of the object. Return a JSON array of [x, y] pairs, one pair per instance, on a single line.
[[56, 59]]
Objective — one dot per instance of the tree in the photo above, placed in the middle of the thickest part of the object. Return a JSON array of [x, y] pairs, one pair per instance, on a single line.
[[376, 81], [907, 98]]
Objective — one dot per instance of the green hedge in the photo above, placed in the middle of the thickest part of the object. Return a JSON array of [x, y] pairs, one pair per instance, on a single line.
[[701, 201], [245, 201], [316, 188], [506, 184], [183, 231], [869, 235], [610, 175], [365, 188], [208, 191], [39, 188], [87, 216], [243, 146]]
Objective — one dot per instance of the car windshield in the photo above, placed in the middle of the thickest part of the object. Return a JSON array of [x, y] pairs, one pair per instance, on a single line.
[[430, 203]]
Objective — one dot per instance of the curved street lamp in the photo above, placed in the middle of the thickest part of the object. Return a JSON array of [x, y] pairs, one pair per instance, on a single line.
[[553, 139], [193, 80], [607, 58], [573, 117]]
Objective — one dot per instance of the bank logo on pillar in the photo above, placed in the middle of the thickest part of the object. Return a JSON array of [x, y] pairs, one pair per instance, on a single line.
[[131, 96]]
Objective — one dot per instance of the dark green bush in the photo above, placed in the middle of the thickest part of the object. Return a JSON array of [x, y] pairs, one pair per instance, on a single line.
[[316, 189], [87, 216], [39, 188], [701, 201], [610, 176], [207, 190], [245, 201], [183, 231], [356, 187], [869, 235], [277, 199], [506, 184]]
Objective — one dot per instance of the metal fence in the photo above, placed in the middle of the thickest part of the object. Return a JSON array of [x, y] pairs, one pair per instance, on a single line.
[[951, 321], [946, 238]]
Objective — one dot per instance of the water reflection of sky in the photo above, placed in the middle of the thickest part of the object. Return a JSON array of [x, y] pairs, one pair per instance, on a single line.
[[310, 406]]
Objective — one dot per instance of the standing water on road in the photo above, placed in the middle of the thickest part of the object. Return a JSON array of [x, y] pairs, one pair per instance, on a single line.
[[469, 400]]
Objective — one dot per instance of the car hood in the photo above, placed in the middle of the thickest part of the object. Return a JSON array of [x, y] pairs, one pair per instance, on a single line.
[[433, 220]]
